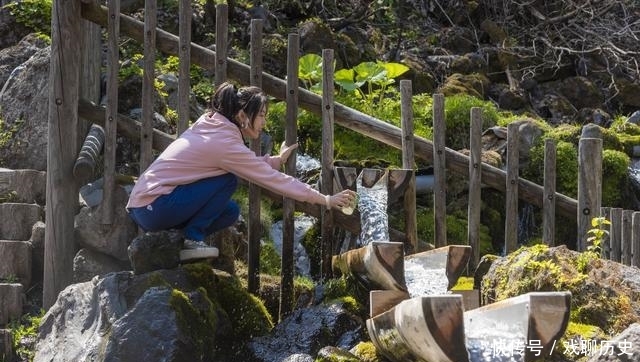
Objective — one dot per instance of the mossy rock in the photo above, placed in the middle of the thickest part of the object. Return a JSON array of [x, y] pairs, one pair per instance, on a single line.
[[603, 292]]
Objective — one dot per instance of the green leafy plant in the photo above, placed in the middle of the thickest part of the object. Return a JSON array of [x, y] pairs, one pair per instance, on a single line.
[[24, 333], [598, 232], [34, 14]]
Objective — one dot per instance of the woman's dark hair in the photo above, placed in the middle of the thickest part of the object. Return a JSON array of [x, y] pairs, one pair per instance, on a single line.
[[228, 100]]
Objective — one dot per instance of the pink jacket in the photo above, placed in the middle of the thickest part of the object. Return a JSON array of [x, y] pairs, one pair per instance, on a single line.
[[213, 146]]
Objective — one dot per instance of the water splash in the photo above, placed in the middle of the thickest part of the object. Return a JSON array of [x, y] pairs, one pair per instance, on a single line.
[[372, 204], [424, 281], [302, 224]]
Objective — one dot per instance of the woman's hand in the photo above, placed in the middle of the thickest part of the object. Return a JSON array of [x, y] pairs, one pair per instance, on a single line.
[[285, 152], [342, 199]]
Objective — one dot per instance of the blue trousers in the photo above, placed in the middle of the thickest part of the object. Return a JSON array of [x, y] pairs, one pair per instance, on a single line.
[[199, 208]]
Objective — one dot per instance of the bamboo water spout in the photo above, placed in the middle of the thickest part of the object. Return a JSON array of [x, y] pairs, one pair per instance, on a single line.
[[429, 328], [378, 265]]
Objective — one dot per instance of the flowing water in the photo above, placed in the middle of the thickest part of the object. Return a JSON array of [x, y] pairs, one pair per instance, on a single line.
[[372, 204]]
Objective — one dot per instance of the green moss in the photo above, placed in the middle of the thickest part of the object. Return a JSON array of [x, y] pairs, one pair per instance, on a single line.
[[464, 283], [198, 324], [247, 313], [615, 165], [367, 352], [270, 261]]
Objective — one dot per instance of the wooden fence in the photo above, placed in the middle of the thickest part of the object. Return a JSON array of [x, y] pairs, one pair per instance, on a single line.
[[67, 107]]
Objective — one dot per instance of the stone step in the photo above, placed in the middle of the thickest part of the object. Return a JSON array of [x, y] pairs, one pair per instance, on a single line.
[[27, 186], [17, 220], [6, 345], [11, 298], [15, 265]]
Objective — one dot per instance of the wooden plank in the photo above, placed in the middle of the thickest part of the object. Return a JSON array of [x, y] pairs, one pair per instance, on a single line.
[[289, 205], [111, 112], [255, 226], [222, 36], [408, 162], [589, 187], [549, 200], [627, 237], [605, 247], [62, 148], [439, 173], [148, 82], [635, 240], [511, 185], [326, 174], [366, 125], [184, 74], [615, 233], [475, 186]]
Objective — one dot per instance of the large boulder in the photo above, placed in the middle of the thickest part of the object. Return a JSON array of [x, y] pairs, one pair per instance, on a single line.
[[191, 313]]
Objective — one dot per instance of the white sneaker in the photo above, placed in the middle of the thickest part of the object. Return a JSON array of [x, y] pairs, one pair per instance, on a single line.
[[197, 250]]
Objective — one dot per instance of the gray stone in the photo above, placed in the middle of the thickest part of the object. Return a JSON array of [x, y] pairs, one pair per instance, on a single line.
[[16, 263], [18, 219], [11, 298], [112, 239], [24, 186], [88, 264], [155, 250]]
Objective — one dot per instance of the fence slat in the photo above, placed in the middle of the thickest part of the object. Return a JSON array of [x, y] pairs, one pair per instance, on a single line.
[[254, 225], [605, 247], [326, 174], [511, 195], [548, 198], [475, 185], [627, 237], [148, 82], [439, 173], [222, 40], [615, 233], [184, 76], [589, 186], [635, 240], [289, 205], [408, 162]]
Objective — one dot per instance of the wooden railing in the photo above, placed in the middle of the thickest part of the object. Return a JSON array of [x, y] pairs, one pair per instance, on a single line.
[[67, 105]]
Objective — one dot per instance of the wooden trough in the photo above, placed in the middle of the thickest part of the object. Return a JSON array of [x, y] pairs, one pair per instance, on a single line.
[[437, 329]]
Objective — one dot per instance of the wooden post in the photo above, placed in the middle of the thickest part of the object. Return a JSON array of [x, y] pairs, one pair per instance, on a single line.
[[615, 233], [548, 199], [62, 148], [255, 228], [184, 75], [635, 240], [439, 173], [111, 113], [589, 186], [289, 205], [475, 186], [511, 195], [148, 82], [326, 174], [627, 237], [605, 248], [222, 28], [408, 162]]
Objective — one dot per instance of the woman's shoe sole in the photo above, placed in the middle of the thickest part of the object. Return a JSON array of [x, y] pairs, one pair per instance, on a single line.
[[200, 253]]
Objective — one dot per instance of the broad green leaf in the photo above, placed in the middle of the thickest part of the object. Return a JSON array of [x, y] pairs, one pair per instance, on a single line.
[[344, 78], [369, 72], [395, 70], [310, 68]]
